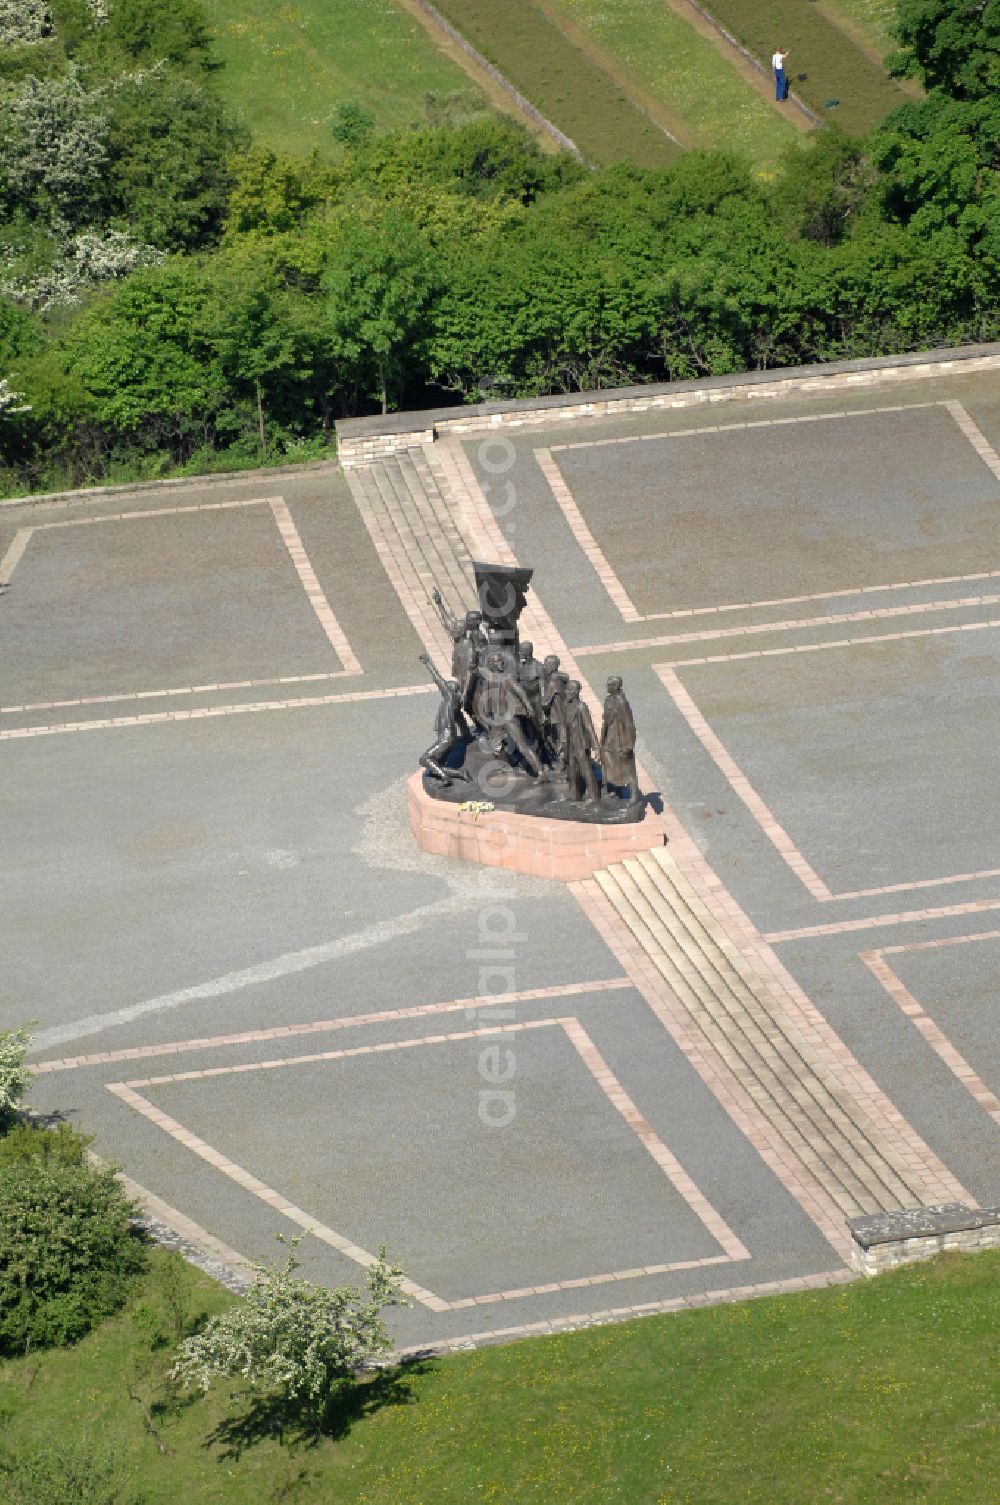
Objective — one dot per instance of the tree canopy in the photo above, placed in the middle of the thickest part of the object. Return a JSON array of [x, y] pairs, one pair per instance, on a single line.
[[173, 294]]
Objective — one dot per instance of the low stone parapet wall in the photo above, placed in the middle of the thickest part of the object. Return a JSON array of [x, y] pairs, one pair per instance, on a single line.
[[534, 844], [362, 449], [362, 440], [888, 1239]]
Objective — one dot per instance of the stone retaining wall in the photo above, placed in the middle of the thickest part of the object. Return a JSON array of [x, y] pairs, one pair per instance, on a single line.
[[890, 1239]]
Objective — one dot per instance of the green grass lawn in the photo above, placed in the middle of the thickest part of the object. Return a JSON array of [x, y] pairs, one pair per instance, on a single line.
[[576, 94], [874, 17], [289, 65], [835, 68], [687, 74], [881, 1390]]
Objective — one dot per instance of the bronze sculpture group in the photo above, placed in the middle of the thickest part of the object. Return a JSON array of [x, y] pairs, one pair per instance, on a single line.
[[504, 712]]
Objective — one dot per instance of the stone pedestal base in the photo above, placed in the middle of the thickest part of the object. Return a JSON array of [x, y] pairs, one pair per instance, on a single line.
[[532, 844]]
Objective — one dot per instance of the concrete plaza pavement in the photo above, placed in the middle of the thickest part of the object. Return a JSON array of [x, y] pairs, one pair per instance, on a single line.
[[267, 1004]]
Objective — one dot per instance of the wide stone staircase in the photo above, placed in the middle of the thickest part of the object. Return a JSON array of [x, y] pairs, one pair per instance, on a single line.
[[808, 1089], [418, 539]]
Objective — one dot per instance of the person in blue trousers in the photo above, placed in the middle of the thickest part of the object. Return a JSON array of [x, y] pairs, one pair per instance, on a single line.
[[780, 76]]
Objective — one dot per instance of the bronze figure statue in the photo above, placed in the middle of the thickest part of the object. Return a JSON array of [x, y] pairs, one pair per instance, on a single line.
[[618, 743], [450, 728], [507, 719], [581, 743], [502, 707]]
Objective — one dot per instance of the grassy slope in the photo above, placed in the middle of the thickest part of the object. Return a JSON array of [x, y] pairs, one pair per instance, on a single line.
[[835, 67], [557, 77], [873, 16], [881, 1390], [288, 66], [687, 74]]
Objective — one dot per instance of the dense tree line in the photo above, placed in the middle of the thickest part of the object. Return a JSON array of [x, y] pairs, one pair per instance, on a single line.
[[173, 295]]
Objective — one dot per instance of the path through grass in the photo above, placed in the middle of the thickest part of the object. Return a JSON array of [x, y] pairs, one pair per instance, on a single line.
[[873, 17], [878, 1390], [289, 65], [687, 74], [573, 91]]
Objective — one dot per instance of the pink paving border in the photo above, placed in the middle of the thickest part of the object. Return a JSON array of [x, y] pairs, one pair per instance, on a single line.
[[873, 922], [733, 1248], [245, 708], [792, 624], [669, 676], [932, 1033], [289, 536], [615, 589], [471, 1006]]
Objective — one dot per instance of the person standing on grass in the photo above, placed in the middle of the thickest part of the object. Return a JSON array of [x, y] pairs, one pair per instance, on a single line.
[[780, 76]]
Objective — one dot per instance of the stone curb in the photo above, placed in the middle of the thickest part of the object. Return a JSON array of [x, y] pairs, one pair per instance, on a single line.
[[617, 1315], [217, 478], [500, 79]]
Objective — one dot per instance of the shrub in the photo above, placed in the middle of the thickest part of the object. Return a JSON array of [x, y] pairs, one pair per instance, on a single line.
[[67, 1251], [292, 1337], [14, 1075], [26, 1142], [64, 1475], [352, 124]]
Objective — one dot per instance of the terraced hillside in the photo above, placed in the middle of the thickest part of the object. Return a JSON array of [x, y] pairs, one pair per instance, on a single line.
[[288, 67], [636, 80], [688, 73], [829, 70], [578, 93]]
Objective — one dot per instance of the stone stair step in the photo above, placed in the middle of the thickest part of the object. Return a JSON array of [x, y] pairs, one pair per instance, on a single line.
[[455, 578], [440, 507], [780, 1082], [854, 1106]]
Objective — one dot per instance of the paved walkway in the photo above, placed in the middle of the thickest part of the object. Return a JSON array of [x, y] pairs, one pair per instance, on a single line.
[[556, 1103]]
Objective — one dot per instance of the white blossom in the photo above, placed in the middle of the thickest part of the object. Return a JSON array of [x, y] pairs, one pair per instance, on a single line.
[[23, 22], [289, 1335], [54, 139], [14, 1043], [85, 259]]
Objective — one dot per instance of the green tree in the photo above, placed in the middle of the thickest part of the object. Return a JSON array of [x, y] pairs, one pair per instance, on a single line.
[[144, 358], [271, 195], [938, 162], [487, 158], [352, 124], [67, 1251], [378, 283], [951, 45], [170, 149], [824, 186], [152, 31], [261, 342]]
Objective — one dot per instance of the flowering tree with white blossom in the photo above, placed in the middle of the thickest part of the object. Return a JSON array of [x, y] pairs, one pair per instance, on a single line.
[[23, 22], [291, 1337]]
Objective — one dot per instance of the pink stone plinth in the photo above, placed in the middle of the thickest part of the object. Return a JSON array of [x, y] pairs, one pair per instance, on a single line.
[[545, 848]]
